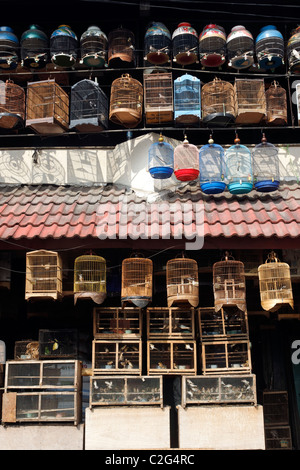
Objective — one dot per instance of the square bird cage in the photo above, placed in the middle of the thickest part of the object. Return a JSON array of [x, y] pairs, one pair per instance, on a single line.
[[90, 278], [12, 105], [158, 98], [43, 275], [88, 107], [250, 99], [187, 100]]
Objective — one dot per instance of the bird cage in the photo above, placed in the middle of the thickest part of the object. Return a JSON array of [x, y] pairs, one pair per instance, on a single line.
[[240, 48], [238, 168], [269, 48], [47, 107], [265, 166], [90, 278], [187, 100], [34, 48], [158, 97], [161, 159], [250, 99], [12, 105], [63, 46], [93, 47], [293, 51], [126, 101], [186, 161], [9, 49], [218, 103], [43, 275], [88, 107], [182, 281], [212, 46], [2, 352], [229, 284], [157, 44], [185, 44], [121, 48], [275, 284], [212, 168], [276, 103], [137, 274]]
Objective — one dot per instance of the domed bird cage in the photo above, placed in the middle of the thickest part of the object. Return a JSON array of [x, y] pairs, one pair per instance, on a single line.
[[240, 48], [269, 48], [43, 275], [90, 278], [126, 101], [185, 44], [63, 46], [265, 166], [229, 283], [158, 97], [93, 47], [276, 101], [275, 284], [121, 48], [12, 105], [182, 281], [212, 168], [212, 46], [9, 49], [157, 44], [187, 100], [250, 99], [161, 159], [238, 168], [218, 103], [293, 51], [186, 161], [89, 107], [137, 279], [34, 48]]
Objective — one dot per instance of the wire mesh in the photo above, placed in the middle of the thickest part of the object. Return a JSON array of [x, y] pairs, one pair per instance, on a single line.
[[88, 103]]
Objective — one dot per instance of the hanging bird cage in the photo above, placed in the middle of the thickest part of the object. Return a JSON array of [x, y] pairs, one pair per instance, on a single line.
[[137, 274], [276, 102], [93, 47], [157, 44], [161, 159], [89, 107], [63, 46], [212, 168], [182, 281], [229, 283], [250, 101], [121, 48], [275, 284], [9, 49], [238, 168], [47, 107], [90, 278], [186, 161], [185, 44], [2, 352], [43, 275], [265, 166], [240, 48], [212, 46], [126, 101], [269, 48], [158, 98], [187, 100], [218, 103], [34, 48], [293, 51], [12, 105]]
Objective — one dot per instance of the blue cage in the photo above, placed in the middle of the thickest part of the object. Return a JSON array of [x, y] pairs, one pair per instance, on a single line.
[[157, 44], [63, 46], [161, 159], [265, 166], [238, 168], [187, 100], [212, 168], [89, 107], [269, 48], [9, 48], [34, 48]]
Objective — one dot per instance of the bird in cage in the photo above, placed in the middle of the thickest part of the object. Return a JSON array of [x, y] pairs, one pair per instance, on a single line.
[[90, 278], [137, 274]]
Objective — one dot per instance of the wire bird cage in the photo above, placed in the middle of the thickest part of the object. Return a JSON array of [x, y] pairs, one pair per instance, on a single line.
[[43, 275], [9, 49], [218, 103], [89, 107], [229, 283], [238, 168], [275, 284], [126, 101], [2, 352], [90, 278], [93, 47], [161, 159], [250, 99], [158, 97], [137, 274], [212, 168], [212, 46], [63, 46], [293, 51], [269, 48], [265, 166], [34, 48], [47, 107], [121, 48], [240, 48], [185, 44], [186, 161], [187, 100], [12, 105], [182, 281], [157, 44], [276, 103]]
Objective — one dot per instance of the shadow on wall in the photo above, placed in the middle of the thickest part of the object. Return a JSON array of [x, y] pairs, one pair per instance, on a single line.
[[83, 167]]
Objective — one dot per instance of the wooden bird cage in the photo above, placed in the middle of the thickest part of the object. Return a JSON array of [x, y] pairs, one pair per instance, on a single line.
[[90, 278], [117, 357], [218, 103], [117, 323], [265, 166], [43, 275], [250, 101], [88, 107], [137, 280], [168, 356], [126, 101], [212, 168], [2, 352], [161, 159], [275, 284], [229, 283], [186, 161], [226, 357], [47, 107], [158, 97], [26, 350], [121, 48], [187, 100], [182, 281], [276, 102], [12, 105], [58, 344]]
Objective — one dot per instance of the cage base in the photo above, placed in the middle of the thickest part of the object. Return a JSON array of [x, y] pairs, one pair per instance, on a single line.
[[35, 62], [219, 119], [161, 172], [93, 60], [277, 121], [187, 119], [120, 61], [63, 60], [126, 117], [249, 117], [87, 126], [9, 63], [273, 305], [266, 186], [97, 297], [270, 62], [158, 117], [213, 60], [140, 302], [214, 187], [186, 58], [239, 188], [157, 58], [187, 174], [46, 127], [241, 62], [182, 300], [10, 120]]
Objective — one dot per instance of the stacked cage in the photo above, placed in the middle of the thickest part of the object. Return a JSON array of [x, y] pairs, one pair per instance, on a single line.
[[126, 101], [93, 47], [250, 101], [34, 48], [88, 107], [187, 100], [277, 420], [218, 103], [121, 48], [276, 103], [12, 105], [90, 278], [9, 49], [158, 98]]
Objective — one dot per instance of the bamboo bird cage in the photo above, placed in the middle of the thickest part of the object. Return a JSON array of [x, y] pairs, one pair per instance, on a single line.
[[121, 48], [293, 51], [182, 281], [158, 97], [126, 101], [12, 105], [43, 275], [90, 278], [218, 103], [276, 102], [250, 101], [137, 280], [229, 283]]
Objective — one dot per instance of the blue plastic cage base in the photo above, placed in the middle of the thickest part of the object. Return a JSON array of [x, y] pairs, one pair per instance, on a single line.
[[161, 173], [266, 186], [215, 187], [272, 63], [239, 188]]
